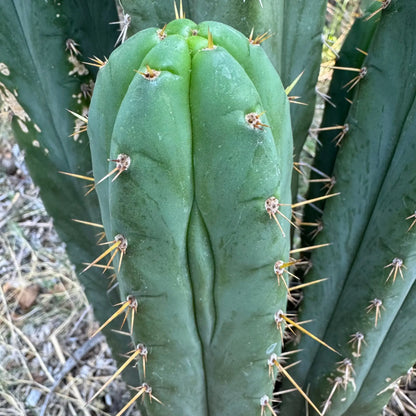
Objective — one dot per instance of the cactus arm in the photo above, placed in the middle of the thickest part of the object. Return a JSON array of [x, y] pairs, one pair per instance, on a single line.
[[38, 63], [374, 167]]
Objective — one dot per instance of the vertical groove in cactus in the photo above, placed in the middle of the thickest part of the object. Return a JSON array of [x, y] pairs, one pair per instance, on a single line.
[[201, 246], [46, 77], [376, 177]]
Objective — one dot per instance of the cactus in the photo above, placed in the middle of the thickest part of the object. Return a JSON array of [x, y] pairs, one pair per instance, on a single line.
[[190, 201], [190, 139], [341, 91]]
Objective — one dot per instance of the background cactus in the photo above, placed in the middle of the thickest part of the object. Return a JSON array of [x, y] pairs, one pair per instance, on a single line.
[[199, 221], [55, 76], [375, 174]]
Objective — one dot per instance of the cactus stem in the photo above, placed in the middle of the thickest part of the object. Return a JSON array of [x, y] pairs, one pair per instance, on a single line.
[[376, 304], [311, 201], [357, 339], [99, 63], [140, 350], [283, 371], [338, 381], [265, 403], [93, 224], [303, 285], [414, 221], [384, 5], [180, 14], [280, 315], [272, 205], [130, 302], [253, 119], [396, 266], [309, 248], [259, 38], [144, 388]]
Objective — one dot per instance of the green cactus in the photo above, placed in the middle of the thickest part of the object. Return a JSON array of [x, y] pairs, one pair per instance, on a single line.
[[375, 171], [190, 202], [341, 93]]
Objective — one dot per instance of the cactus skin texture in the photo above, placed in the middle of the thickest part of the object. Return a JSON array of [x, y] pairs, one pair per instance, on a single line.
[[39, 73], [375, 171], [201, 247]]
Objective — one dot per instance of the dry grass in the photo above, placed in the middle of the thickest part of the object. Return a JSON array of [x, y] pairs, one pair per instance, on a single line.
[[45, 316]]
